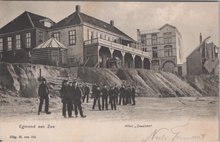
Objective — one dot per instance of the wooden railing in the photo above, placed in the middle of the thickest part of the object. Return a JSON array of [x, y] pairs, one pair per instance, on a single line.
[[118, 46]]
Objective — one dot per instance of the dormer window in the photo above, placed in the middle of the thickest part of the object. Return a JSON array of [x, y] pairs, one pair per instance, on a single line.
[[47, 23]]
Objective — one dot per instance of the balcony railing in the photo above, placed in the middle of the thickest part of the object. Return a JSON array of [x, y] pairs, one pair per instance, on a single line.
[[133, 48]]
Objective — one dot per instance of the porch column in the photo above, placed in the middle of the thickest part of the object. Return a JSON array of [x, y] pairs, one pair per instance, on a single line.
[[111, 51], [99, 47], [142, 62], [133, 62], [123, 58]]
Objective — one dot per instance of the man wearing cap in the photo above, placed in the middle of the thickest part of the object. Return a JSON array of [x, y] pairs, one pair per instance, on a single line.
[[112, 98], [133, 95], [66, 96], [43, 92], [77, 95], [86, 95], [122, 95], [97, 94], [105, 97]]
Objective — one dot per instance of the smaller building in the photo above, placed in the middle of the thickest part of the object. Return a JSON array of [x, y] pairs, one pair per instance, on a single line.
[[204, 59], [18, 37], [51, 52]]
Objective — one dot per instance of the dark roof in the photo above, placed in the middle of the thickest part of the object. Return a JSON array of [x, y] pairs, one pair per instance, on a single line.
[[198, 47], [72, 19], [24, 21], [79, 17]]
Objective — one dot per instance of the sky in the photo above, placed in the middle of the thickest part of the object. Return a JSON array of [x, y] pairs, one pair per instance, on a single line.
[[190, 18]]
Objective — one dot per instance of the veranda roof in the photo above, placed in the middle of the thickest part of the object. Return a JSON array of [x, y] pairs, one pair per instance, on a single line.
[[51, 43]]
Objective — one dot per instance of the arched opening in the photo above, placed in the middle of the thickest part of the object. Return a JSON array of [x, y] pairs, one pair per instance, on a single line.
[[146, 63], [169, 66], [104, 55], [118, 54], [117, 59], [128, 61], [138, 62]]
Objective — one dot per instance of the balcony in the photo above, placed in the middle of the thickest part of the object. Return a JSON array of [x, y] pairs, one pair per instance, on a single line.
[[134, 49]]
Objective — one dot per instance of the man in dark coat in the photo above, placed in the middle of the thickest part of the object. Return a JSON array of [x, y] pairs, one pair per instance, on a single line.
[[128, 95], [116, 93], [86, 95], [112, 96], [133, 95], [43, 92], [67, 96], [105, 98], [122, 95], [77, 95], [94, 88], [97, 93]]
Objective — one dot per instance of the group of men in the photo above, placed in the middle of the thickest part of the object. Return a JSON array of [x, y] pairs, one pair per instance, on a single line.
[[114, 96], [72, 96]]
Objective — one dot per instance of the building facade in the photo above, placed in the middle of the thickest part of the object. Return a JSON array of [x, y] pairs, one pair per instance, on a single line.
[[90, 41], [165, 45]]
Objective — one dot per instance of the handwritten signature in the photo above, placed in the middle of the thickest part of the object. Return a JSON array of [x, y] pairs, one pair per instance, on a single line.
[[171, 134]]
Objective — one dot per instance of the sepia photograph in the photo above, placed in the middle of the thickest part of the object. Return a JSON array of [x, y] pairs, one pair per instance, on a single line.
[[105, 71]]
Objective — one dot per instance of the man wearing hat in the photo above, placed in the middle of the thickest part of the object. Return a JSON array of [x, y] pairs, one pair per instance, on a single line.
[[105, 97], [66, 96], [86, 95], [77, 95], [43, 92], [97, 95]]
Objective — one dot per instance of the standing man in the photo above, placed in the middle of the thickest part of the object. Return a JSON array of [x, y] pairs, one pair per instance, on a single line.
[[105, 97], [77, 95], [97, 93], [122, 95], [43, 92], [86, 95], [133, 96], [66, 96], [112, 96], [116, 93], [129, 94]]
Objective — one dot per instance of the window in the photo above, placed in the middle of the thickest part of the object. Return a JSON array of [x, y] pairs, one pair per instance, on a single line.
[[9, 39], [143, 39], [168, 51], [154, 39], [167, 37], [89, 34], [72, 37], [154, 52], [155, 62], [98, 35], [40, 37], [101, 36], [18, 41], [145, 49], [28, 40], [56, 36], [1, 44]]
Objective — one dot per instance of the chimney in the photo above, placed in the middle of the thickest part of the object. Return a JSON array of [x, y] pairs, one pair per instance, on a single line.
[[77, 8], [138, 35], [200, 37], [112, 22]]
